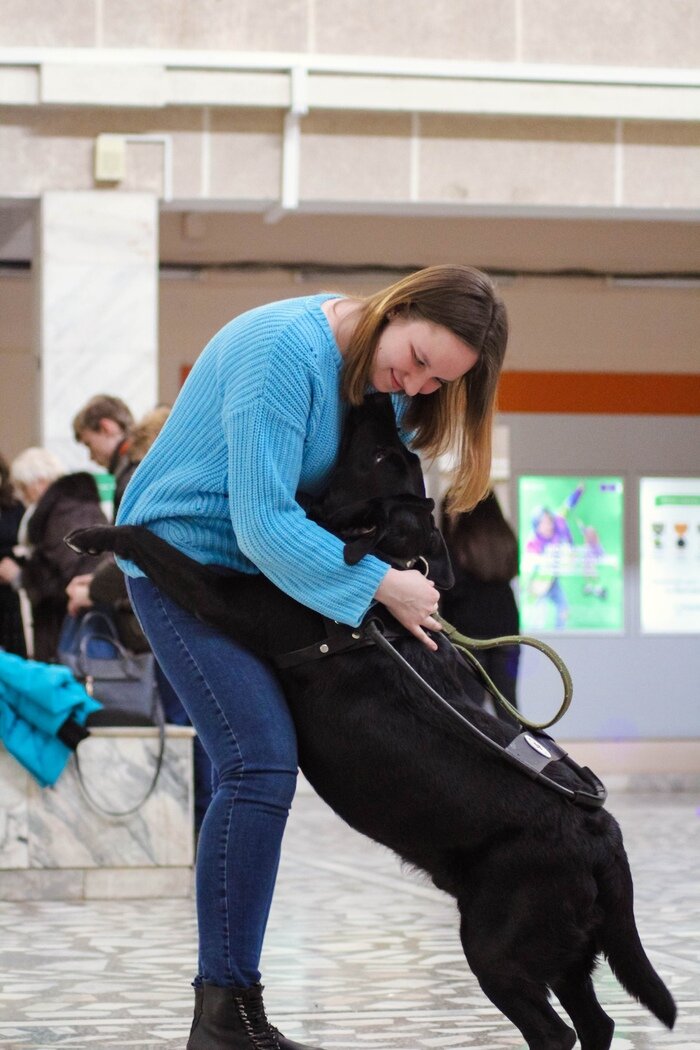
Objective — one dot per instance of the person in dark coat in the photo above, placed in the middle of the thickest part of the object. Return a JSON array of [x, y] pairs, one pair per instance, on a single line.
[[57, 504], [11, 511], [484, 553]]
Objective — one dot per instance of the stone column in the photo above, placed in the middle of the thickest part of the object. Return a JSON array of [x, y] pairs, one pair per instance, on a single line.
[[96, 266]]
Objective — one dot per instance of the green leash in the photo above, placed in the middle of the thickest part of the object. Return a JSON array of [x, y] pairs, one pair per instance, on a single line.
[[464, 645]]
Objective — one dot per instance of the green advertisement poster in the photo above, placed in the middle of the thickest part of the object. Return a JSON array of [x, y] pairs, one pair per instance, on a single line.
[[571, 532]]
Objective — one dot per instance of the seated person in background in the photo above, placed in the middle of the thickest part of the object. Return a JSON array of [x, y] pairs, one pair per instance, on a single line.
[[11, 511], [105, 587], [56, 503], [484, 553]]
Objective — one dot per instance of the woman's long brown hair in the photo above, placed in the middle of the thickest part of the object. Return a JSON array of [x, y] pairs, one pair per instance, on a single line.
[[459, 416]]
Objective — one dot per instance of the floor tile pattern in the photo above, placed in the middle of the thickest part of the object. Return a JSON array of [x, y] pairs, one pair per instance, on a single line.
[[359, 953]]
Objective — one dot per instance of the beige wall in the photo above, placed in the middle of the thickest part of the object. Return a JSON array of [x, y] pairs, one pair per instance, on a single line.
[[18, 367], [614, 32], [564, 325], [235, 155], [370, 168]]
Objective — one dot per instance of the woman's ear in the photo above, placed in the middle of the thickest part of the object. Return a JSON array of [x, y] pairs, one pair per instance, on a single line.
[[398, 313]]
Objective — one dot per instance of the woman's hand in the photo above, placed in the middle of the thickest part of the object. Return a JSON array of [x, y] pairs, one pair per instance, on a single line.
[[78, 591], [412, 600], [9, 571]]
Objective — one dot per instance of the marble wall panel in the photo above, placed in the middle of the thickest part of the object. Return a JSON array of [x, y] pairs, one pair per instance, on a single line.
[[443, 29], [661, 165], [65, 832], [14, 783], [32, 885], [356, 156], [245, 154], [611, 32], [246, 25], [508, 161], [43, 23], [98, 306]]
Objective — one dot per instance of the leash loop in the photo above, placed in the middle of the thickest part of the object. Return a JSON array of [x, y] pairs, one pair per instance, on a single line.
[[465, 645]]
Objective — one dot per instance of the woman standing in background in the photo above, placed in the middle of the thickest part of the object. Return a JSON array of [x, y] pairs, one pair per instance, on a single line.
[[484, 553]]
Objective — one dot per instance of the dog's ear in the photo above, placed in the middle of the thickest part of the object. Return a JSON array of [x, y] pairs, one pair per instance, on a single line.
[[356, 548], [439, 561]]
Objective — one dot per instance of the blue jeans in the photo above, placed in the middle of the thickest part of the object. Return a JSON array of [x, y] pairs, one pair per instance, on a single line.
[[175, 715], [238, 709]]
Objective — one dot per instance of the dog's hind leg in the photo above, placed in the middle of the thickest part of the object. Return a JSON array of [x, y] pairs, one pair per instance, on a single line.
[[523, 999], [576, 994]]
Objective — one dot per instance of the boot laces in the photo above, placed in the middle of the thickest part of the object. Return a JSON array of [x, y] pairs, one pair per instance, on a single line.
[[254, 1019]]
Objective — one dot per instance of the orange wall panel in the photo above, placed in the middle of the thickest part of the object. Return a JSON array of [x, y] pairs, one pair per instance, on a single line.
[[616, 393]]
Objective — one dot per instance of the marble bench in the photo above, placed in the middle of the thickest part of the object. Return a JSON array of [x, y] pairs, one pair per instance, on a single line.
[[54, 845]]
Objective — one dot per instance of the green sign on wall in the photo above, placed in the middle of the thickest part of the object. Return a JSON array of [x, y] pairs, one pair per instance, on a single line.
[[105, 487], [571, 553]]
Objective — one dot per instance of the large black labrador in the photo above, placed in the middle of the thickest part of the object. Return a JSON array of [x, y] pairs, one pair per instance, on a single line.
[[543, 886]]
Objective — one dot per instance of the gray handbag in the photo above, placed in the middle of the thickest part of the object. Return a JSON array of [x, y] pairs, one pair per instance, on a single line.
[[124, 683]]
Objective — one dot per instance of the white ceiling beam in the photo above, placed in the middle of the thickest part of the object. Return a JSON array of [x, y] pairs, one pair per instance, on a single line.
[[94, 77]]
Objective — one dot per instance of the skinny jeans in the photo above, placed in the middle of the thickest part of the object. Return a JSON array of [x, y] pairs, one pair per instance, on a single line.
[[237, 707]]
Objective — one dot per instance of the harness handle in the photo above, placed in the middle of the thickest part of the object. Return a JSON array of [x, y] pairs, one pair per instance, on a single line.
[[592, 796], [461, 642]]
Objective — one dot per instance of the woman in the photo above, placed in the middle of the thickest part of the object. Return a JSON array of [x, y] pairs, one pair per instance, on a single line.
[[11, 511], [56, 504], [484, 553], [258, 420]]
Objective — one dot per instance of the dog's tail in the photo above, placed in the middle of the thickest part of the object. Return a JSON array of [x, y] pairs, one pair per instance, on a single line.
[[101, 538], [187, 581], [621, 945]]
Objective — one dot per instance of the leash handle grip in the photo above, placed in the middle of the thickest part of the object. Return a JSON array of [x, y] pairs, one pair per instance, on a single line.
[[465, 645]]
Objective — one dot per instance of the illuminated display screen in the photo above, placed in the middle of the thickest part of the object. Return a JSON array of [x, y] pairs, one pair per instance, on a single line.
[[669, 545], [571, 553]]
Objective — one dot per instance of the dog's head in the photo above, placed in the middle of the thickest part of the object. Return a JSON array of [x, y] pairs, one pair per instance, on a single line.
[[375, 499]]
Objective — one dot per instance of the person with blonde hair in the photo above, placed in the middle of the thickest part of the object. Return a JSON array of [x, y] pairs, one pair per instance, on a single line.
[[56, 504], [258, 420]]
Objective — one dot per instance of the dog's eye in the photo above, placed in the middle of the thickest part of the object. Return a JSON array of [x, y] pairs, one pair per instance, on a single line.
[[379, 456]]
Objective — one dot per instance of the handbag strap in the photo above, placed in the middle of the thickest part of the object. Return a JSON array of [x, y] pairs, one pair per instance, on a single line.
[[101, 616], [120, 813], [123, 656]]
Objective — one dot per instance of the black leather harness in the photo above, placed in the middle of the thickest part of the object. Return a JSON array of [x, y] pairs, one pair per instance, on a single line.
[[531, 752]]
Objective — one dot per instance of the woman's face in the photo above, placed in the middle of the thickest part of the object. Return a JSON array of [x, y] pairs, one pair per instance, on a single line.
[[414, 356]]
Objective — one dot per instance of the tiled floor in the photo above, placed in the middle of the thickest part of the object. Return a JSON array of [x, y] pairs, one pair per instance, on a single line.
[[359, 953]]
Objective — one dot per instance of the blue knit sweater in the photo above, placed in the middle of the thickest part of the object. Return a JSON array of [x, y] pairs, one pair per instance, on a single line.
[[258, 420]]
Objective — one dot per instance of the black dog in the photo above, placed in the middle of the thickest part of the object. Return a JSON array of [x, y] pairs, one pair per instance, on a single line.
[[543, 886]]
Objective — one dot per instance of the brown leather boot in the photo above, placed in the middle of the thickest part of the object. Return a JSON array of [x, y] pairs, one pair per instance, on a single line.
[[234, 1019]]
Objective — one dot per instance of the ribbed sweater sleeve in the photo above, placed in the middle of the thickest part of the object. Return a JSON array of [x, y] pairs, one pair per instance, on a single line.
[[272, 530]]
